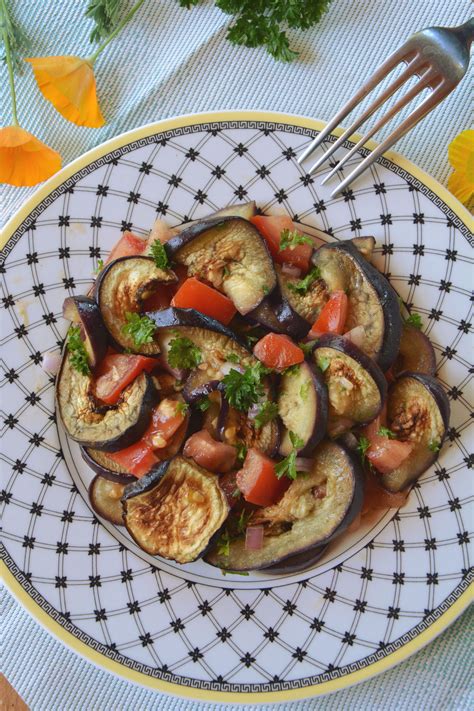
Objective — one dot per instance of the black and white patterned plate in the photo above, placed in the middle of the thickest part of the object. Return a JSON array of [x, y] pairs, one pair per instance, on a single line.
[[378, 594]]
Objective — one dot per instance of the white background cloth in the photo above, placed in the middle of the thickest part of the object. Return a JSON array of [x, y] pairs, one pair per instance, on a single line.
[[170, 61]]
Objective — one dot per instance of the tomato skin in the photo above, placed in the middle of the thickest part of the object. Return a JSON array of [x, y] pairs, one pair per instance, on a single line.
[[278, 351], [137, 459], [385, 454], [129, 245], [333, 315], [115, 372], [271, 227], [215, 456], [193, 294], [258, 482]]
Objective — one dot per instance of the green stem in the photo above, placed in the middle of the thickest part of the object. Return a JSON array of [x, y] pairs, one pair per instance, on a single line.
[[117, 30], [8, 57]]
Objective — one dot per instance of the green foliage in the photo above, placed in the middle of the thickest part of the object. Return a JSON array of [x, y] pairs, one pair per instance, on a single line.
[[105, 14], [267, 413], [243, 390], [287, 466], [158, 252], [11, 32], [183, 353], [414, 320], [302, 286], [290, 240], [77, 349], [386, 432], [139, 328]]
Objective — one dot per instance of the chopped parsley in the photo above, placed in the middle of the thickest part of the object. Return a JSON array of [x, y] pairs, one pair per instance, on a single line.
[[266, 289], [323, 363], [243, 521], [291, 370], [241, 452], [99, 267], [232, 358], [266, 414], [234, 572], [287, 466], [303, 285], [223, 544], [307, 347], [204, 404], [158, 252], [251, 340], [363, 446], [290, 240], [414, 320], [139, 328], [181, 408], [77, 349], [243, 390], [236, 494], [304, 390], [434, 446], [183, 353], [386, 432]]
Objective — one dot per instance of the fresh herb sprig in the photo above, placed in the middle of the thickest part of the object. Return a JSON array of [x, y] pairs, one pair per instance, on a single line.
[[160, 257], [290, 240], [105, 14], [386, 432], [139, 328], [363, 447], [287, 466], [243, 390], [414, 320], [266, 414], [77, 349], [302, 286], [13, 35], [241, 451], [434, 446], [183, 353]]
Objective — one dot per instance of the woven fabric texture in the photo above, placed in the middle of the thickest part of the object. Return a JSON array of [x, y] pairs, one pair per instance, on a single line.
[[168, 62]]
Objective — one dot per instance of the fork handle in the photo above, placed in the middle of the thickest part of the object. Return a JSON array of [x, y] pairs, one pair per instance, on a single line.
[[465, 31]]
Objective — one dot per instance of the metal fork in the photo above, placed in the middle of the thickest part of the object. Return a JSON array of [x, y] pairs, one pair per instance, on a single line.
[[439, 56]]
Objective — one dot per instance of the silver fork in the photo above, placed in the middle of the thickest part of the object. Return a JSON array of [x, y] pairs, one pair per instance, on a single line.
[[439, 56]]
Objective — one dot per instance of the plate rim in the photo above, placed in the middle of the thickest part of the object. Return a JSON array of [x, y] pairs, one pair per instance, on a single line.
[[67, 638]]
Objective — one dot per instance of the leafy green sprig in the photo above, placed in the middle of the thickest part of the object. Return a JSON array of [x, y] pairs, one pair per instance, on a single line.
[[287, 466], [139, 328], [77, 349]]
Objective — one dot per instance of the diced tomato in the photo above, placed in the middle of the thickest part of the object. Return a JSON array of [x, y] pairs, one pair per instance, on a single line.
[[258, 482], [271, 227], [387, 454], [137, 459], [333, 315], [115, 372], [278, 351], [376, 497], [193, 294], [128, 245], [166, 419], [209, 454]]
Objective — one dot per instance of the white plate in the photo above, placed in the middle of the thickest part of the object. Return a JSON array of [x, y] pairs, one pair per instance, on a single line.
[[377, 595]]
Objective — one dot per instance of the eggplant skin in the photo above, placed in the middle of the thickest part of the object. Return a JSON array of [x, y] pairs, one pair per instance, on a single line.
[[230, 254], [105, 467], [105, 498], [298, 562], [373, 303], [176, 318], [416, 353], [175, 510], [108, 429], [300, 522], [418, 411]]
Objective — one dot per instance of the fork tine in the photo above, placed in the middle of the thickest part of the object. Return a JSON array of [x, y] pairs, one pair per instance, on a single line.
[[394, 86], [419, 113], [425, 81], [386, 67]]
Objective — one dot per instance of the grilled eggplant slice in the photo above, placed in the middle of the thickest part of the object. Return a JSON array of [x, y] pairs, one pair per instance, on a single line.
[[306, 306], [314, 510], [230, 254], [418, 412], [105, 466], [416, 353], [175, 510], [105, 497], [303, 408], [373, 303], [365, 245], [264, 315], [121, 288], [236, 428], [356, 386], [84, 312], [106, 428]]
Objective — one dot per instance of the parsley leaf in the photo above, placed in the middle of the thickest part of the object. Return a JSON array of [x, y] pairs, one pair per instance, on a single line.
[[181, 408], [236, 494], [386, 432], [241, 452], [363, 446], [183, 353], [99, 267], [434, 446], [414, 320], [290, 240], [232, 358], [77, 349], [158, 252], [204, 404], [307, 347], [243, 520], [139, 328], [291, 370], [303, 285], [105, 14], [223, 544], [266, 414], [243, 390], [287, 466]]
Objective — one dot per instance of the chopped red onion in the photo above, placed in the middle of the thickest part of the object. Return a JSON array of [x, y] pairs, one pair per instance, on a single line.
[[291, 271], [356, 336], [51, 362], [254, 538], [303, 464]]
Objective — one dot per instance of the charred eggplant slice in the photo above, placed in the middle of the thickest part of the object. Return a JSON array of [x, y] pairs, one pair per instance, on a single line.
[[306, 305], [417, 412], [416, 353], [175, 510], [373, 303], [85, 313], [106, 428], [229, 253], [356, 386], [303, 408], [105, 497], [121, 289], [314, 510]]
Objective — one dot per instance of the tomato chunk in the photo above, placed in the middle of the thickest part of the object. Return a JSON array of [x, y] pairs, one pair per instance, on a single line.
[[333, 315], [166, 419], [271, 227], [387, 454], [137, 459], [193, 294], [258, 482], [128, 245], [278, 351], [210, 454], [115, 372]]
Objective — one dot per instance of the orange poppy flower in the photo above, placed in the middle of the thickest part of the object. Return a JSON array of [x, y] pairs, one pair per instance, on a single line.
[[69, 84], [24, 159], [461, 157]]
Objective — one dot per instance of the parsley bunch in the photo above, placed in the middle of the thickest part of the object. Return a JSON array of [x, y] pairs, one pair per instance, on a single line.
[[243, 390]]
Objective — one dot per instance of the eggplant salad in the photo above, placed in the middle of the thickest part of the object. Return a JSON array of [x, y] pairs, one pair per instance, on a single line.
[[244, 395]]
